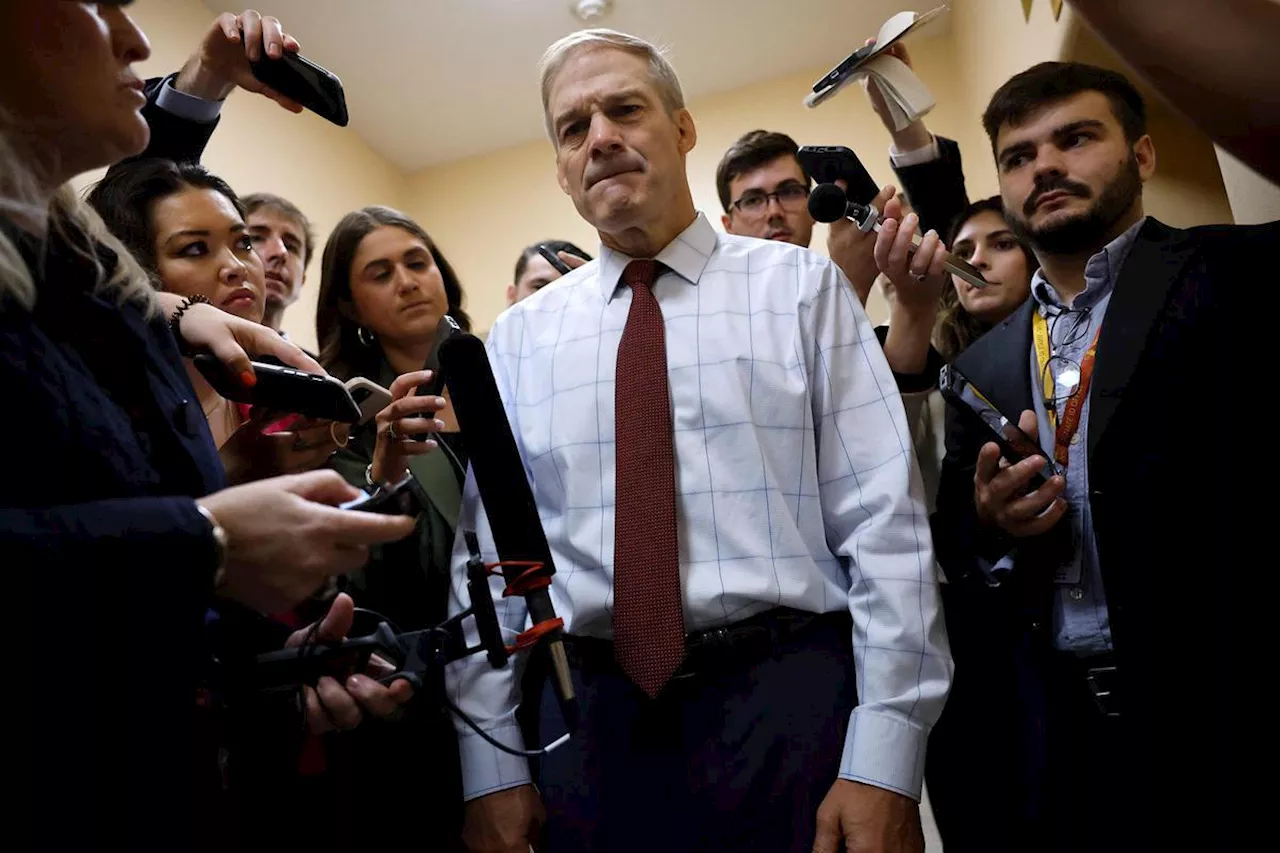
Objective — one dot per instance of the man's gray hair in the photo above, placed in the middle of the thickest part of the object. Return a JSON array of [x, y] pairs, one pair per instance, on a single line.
[[660, 70]]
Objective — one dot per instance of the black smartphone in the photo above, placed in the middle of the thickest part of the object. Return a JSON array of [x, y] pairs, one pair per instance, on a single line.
[[385, 501], [554, 259], [974, 408], [826, 164], [316, 88], [283, 389], [835, 74], [445, 329]]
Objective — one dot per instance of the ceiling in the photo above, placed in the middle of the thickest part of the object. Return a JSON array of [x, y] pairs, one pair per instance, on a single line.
[[429, 81]]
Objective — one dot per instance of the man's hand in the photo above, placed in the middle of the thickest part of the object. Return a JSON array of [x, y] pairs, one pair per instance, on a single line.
[[998, 490], [918, 276], [331, 705], [854, 251], [221, 62], [914, 135], [862, 818], [504, 822]]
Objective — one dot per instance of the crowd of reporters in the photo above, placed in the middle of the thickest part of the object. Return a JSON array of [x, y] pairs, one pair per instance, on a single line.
[[161, 527]]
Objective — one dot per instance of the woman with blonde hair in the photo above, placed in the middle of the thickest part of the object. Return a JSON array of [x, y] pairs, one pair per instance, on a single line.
[[114, 522]]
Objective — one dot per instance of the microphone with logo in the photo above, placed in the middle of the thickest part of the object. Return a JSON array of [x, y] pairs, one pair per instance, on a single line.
[[525, 557], [828, 202]]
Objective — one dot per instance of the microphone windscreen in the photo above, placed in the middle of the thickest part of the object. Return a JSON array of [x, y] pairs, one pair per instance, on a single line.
[[827, 203], [495, 458]]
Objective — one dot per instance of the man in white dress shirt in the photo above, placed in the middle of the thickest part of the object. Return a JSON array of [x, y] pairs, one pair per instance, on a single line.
[[723, 469]]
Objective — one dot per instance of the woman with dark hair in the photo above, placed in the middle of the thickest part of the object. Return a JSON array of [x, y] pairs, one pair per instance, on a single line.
[[186, 227], [384, 288], [981, 236]]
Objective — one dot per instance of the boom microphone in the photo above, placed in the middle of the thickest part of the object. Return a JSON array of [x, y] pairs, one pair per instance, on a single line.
[[504, 490], [828, 202]]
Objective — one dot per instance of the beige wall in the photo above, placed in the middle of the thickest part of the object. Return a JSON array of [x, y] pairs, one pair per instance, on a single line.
[[483, 210], [325, 170]]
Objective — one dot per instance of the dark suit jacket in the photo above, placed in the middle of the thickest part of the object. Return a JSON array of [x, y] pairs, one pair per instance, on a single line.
[[936, 189], [108, 564], [1160, 487], [172, 137]]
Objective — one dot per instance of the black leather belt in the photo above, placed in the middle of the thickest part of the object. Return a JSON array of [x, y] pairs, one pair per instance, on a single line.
[[738, 645]]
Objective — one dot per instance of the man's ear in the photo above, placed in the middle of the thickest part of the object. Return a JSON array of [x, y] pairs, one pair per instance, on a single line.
[[561, 179], [726, 220], [511, 295], [1144, 151], [687, 130]]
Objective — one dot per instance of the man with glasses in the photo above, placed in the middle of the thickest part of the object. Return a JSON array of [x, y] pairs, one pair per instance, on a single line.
[[765, 193], [1106, 589]]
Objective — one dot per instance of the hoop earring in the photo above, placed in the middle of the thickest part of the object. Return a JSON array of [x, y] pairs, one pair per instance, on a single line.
[[365, 336]]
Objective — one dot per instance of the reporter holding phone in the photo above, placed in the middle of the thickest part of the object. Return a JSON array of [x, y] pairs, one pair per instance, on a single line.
[[187, 229], [384, 288], [118, 528], [534, 270]]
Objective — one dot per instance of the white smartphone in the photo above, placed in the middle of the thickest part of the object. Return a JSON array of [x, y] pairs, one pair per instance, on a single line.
[[369, 396]]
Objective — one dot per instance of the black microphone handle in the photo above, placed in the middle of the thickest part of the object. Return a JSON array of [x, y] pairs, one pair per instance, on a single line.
[[504, 490]]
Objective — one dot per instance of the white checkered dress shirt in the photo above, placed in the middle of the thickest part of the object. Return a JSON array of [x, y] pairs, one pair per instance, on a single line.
[[795, 479]]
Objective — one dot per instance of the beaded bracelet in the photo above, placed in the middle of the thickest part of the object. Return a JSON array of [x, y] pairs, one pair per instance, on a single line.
[[176, 319]]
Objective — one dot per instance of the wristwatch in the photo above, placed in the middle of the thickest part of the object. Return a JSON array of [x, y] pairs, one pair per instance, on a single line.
[[219, 536]]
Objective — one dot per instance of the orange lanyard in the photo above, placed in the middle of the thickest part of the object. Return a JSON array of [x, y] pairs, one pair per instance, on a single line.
[[1066, 427]]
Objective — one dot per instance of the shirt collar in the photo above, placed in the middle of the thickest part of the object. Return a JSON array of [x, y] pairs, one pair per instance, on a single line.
[[686, 256], [1099, 273]]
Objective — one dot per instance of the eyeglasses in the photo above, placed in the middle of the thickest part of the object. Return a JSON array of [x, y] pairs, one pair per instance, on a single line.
[[754, 203], [1067, 328]]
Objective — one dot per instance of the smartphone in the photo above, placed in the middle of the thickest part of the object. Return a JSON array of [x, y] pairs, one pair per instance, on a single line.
[[297, 77], [445, 329], [385, 501], [369, 396], [977, 411], [826, 164], [283, 389], [554, 259]]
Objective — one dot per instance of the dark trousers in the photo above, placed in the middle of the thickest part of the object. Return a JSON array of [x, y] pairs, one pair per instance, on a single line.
[[1093, 798], [737, 758]]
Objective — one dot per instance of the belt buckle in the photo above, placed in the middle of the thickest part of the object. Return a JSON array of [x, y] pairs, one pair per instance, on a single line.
[[1101, 682], [717, 638]]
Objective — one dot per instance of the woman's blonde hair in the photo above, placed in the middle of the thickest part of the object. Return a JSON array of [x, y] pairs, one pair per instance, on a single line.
[[22, 205]]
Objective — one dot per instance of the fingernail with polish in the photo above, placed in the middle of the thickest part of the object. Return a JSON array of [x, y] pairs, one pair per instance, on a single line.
[[248, 379]]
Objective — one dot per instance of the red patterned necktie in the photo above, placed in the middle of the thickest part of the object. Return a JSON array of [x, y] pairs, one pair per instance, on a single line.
[[648, 613]]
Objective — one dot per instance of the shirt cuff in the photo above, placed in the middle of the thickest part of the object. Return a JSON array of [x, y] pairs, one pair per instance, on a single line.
[[487, 769], [186, 106], [884, 751], [917, 156]]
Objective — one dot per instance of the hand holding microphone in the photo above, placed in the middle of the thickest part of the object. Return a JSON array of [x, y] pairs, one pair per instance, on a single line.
[[828, 203]]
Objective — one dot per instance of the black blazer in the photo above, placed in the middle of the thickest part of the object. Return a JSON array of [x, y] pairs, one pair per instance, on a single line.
[[936, 189], [172, 137], [108, 564], [1160, 492]]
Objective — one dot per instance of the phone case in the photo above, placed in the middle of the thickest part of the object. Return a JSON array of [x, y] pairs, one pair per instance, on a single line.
[[311, 85], [283, 389], [826, 164]]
